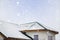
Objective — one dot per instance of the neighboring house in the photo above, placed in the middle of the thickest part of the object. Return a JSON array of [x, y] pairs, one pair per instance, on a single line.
[[28, 31], [2, 36], [9, 31], [38, 31]]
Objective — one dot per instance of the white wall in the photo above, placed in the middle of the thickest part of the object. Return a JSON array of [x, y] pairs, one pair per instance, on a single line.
[[43, 35], [51, 34]]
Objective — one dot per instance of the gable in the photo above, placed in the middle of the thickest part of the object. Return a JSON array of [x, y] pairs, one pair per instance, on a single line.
[[2, 36], [30, 26], [35, 26]]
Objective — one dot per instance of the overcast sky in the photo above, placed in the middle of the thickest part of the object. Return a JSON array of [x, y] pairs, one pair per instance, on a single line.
[[46, 12]]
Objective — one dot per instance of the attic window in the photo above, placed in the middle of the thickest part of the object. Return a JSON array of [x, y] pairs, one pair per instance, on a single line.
[[35, 37], [50, 38]]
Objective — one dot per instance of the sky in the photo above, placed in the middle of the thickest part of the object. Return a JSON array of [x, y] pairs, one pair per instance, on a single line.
[[46, 12]]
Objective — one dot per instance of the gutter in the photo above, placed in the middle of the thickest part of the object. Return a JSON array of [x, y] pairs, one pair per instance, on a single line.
[[26, 35]]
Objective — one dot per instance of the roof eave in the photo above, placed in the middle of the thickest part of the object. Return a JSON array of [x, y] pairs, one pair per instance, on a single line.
[[40, 30], [16, 38], [3, 35], [54, 31]]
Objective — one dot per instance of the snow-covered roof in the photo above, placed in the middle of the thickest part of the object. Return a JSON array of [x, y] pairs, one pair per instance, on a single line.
[[11, 30], [34, 26], [30, 26]]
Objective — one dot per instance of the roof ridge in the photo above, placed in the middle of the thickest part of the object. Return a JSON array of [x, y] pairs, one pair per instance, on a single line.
[[34, 23], [41, 25], [28, 23]]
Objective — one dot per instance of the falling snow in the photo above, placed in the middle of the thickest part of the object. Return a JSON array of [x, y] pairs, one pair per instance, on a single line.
[[8, 20], [45, 14], [18, 14], [17, 3]]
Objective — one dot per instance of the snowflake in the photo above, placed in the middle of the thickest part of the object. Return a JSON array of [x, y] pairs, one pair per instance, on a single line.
[[9, 20], [18, 14], [17, 3]]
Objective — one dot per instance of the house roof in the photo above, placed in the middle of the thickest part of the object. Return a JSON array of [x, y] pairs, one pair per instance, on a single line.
[[35, 26], [11, 30]]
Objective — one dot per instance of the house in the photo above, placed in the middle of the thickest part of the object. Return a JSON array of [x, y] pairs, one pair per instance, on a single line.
[[38, 31], [28, 31]]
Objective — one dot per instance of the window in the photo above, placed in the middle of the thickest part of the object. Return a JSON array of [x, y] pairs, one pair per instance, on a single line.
[[50, 38], [35, 37]]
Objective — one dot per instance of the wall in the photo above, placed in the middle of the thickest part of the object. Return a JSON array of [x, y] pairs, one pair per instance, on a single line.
[[51, 34], [43, 35]]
